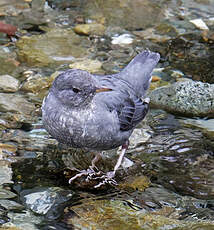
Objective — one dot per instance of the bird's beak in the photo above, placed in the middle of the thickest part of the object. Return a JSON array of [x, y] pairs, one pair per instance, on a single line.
[[99, 90]]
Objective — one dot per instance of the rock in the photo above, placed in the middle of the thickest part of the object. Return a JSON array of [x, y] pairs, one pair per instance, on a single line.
[[90, 29], [188, 98], [122, 214], [139, 183], [155, 78], [7, 149], [46, 201], [5, 178], [55, 47], [92, 66], [200, 24], [12, 8], [15, 103], [11, 205], [8, 84], [123, 39], [7, 61], [22, 220], [127, 14], [6, 194], [37, 84], [191, 55], [151, 34], [207, 126]]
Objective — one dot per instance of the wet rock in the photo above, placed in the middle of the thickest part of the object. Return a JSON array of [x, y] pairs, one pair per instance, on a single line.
[[151, 34], [126, 14], [139, 183], [22, 220], [38, 5], [12, 8], [37, 84], [124, 39], [207, 126], [8, 84], [12, 120], [5, 177], [90, 29], [92, 66], [157, 197], [46, 201], [55, 47], [116, 214], [6, 194], [200, 24], [187, 98], [8, 61], [7, 29], [15, 103], [11, 205], [191, 55], [7, 149], [138, 137]]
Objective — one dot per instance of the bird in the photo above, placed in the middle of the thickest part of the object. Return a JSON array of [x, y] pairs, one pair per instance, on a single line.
[[99, 112]]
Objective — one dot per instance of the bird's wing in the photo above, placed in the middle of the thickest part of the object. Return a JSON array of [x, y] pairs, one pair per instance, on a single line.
[[132, 112]]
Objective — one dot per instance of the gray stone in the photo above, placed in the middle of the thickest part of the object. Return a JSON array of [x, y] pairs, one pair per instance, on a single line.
[[24, 220], [8, 83], [11, 205], [15, 103], [45, 201], [188, 98], [6, 194]]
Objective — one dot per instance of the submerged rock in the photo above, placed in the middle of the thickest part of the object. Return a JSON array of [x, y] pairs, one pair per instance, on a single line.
[[7, 61], [90, 29], [13, 7], [92, 66], [56, 47], [188, 98], [8, 84], [22, 220], [127, 14], [122, 214]]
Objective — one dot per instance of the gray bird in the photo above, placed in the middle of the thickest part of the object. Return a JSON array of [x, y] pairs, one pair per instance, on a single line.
[[97, 112]]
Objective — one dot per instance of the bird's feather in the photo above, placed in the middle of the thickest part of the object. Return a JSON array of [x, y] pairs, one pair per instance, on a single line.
[[133, 111]]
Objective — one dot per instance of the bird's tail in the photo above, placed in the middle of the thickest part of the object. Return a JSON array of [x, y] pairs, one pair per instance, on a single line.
[[138, 72]]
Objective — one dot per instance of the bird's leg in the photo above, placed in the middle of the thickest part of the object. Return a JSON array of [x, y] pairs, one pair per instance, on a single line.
[[109, 175], [88, 172], [119, 160], [106, 178]]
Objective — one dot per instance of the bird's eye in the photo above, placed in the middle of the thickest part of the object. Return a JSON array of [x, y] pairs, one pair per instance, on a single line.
[[75, 90]]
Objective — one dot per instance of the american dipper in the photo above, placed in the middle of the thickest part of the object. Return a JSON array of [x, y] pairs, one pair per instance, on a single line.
[[99, 112]]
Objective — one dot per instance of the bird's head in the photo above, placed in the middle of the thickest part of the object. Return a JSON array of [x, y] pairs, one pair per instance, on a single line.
[[75, 87]]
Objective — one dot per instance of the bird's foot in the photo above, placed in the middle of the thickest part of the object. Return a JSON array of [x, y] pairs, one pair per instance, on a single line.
[[92, 175], [107, 179]]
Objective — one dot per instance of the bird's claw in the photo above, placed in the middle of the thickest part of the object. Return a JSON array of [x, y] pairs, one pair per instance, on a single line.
[[92, 175], [106, 180], [86, 172]]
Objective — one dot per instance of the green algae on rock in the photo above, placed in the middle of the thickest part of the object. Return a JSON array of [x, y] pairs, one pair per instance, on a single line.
[[116, 214]]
